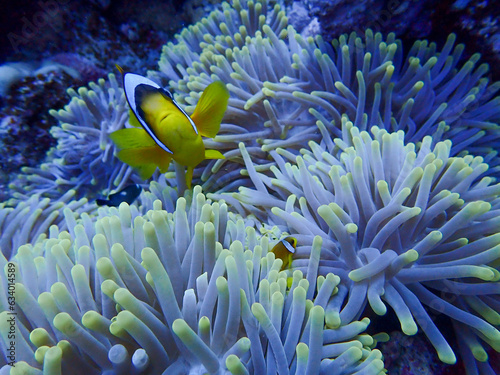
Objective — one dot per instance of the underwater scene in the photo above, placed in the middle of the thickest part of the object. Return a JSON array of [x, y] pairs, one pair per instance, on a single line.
[[250, 187]]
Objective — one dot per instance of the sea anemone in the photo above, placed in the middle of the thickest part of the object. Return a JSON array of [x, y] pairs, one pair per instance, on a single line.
[[29, 220], [207, 297], [424, 92], [404, 225]]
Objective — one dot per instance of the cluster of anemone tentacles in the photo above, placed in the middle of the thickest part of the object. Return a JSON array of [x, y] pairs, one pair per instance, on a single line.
[[402, 225], [195, 290], [401, 218]]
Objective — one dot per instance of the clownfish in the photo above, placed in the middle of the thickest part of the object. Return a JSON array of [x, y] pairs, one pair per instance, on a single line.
[[284, 250], [163, 131], [128, 195]]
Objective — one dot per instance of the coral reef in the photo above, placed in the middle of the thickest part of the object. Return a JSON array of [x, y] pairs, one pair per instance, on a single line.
[[25, 121], [407, 225], [339, 16], [40, 30], [208, 296], [408, 355], [477, 24]]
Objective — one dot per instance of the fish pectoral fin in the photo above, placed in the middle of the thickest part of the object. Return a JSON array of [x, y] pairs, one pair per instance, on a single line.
[[213, 154], [210, 109], [146, 171], [138, 156], [189, 176], [132, 119], [132, 138], [144, 160], [164, 163]]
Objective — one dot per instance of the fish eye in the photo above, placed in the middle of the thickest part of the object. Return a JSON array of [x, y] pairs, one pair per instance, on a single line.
[[288, 244], [291, 240]]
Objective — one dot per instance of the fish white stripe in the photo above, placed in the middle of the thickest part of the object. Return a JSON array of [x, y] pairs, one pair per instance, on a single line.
[[288, 246], [130, 82]]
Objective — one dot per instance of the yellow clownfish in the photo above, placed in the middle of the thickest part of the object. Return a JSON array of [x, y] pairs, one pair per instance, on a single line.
[[164, 131], [284, 250]]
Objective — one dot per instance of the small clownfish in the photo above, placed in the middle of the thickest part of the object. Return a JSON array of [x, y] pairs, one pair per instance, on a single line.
[[164, 131], [284, 250], [128, 195]]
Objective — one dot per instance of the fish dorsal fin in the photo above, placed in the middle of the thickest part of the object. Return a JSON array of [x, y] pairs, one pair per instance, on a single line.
[[130, 83], [210, 109]]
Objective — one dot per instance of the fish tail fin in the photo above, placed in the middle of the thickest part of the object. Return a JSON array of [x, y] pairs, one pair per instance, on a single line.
[[120, 69], [213, 154], [210, 109]]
